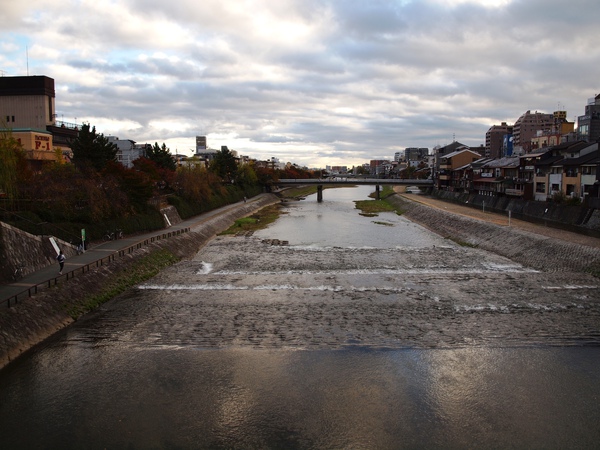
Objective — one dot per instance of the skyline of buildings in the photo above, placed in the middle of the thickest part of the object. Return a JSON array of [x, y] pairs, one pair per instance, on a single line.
[[27, 107]]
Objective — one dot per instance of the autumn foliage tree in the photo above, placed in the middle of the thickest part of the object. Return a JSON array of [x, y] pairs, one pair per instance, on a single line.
[[14, 169]]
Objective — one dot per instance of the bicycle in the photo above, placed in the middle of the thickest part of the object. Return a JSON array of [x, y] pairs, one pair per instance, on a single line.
[[18, 273], [119, 234], [109, 236]]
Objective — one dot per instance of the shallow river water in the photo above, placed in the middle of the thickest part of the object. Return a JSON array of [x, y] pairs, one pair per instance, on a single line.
[[327, 330]]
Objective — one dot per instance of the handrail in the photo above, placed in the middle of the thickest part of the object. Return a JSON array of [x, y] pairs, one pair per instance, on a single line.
[[32, 290]]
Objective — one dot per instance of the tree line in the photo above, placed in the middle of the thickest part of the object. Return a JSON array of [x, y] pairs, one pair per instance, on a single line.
[[97, 193]]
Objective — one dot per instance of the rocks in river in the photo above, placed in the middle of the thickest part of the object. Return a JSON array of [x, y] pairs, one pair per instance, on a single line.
[[274, 242]]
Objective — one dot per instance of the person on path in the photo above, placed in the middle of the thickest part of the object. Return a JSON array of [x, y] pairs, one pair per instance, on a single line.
[[61, 261]]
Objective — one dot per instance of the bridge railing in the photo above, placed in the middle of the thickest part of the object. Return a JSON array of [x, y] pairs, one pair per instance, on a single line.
[[351, 180]]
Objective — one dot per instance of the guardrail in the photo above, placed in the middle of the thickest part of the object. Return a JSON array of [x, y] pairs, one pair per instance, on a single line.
[[32, 290]]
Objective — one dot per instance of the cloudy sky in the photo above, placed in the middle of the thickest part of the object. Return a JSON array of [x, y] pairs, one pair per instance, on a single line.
[[313, 82]]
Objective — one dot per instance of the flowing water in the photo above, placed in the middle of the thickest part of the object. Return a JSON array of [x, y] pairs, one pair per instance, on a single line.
[[361, 332]]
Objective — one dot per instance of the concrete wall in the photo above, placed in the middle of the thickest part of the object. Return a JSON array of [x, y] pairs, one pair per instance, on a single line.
[[580, 219], [17, 247], [171, 213]]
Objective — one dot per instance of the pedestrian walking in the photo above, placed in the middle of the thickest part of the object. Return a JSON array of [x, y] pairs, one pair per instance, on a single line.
[[61, 261]]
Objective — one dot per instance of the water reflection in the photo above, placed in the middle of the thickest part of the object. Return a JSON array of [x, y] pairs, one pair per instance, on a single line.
[[306, 399], [336, 222]]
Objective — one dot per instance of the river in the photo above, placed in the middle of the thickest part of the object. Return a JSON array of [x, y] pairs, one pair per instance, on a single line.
[[326, 330]]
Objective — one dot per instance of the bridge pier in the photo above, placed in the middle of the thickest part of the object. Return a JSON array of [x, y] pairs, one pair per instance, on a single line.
[[319, 193], [377, 197]]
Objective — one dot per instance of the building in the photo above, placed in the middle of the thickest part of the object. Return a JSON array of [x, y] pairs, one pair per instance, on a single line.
[[588, 125], [38, 146], [494, 140], [452, 161], [377, 167], [414, 154], [27, 107], [127, 150], [527, 126], [439, 152]]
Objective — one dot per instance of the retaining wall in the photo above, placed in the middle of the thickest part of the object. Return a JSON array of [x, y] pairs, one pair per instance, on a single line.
[[580, 219], [19, 248], [531, 250]]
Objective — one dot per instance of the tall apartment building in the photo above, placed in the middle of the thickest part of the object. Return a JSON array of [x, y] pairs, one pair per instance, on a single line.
[[527, 126], [494, 140], [588, 125]]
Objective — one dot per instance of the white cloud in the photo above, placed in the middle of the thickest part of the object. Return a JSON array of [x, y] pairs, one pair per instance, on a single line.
[[306, 81]]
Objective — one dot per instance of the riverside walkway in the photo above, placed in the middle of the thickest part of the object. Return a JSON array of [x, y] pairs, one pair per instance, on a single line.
[[98, 254]]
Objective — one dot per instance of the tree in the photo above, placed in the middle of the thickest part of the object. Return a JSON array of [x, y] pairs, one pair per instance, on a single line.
[[91, 148], [161, 178], [246, 176], [224, 164], [13, 166], [161, 156]]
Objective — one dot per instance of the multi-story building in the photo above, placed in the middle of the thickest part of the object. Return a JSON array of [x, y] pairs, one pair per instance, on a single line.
[[588, 125], [451, 162], [377, 167], [551, 177], [498, 177], [494, 140], [127, 150], [27, 108], [527, 126], [414, 155]]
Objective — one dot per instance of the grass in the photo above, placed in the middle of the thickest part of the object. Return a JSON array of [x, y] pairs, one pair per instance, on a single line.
[[141, 270], [371, 208], [461, 242], [257, 221], [594, 270]]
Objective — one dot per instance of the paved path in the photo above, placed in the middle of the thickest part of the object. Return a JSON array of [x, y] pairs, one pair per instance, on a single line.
[[97, 252], [501, 219]]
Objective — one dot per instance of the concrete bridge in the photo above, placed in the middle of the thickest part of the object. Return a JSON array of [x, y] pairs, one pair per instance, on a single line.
[[341, 181]]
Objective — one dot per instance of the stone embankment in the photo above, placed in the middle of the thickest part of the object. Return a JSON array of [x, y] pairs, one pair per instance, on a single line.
[[529, 249], [35, 319]]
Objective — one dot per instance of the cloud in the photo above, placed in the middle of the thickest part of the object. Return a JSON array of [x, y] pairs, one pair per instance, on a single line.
[[314, 81]]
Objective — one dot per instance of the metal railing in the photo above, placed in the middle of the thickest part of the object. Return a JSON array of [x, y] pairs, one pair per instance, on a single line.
[[34, 289]]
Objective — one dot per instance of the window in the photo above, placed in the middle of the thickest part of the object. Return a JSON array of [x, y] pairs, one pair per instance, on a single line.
[[588, 170], [540, 187]]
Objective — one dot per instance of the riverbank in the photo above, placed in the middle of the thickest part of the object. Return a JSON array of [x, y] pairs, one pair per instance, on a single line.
[[533, 245], [34, 319]]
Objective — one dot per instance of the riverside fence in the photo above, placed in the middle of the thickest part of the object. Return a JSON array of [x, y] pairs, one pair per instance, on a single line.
[[33, 289]]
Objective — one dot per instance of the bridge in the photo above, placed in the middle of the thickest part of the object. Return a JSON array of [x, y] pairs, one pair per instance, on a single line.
[[344, 181]]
